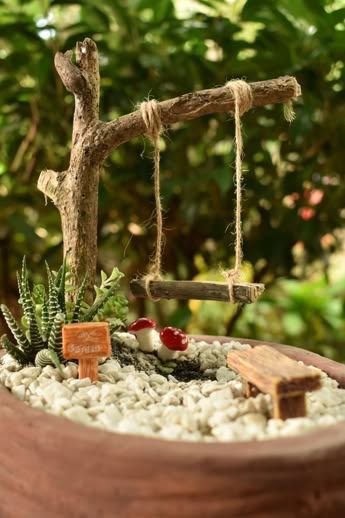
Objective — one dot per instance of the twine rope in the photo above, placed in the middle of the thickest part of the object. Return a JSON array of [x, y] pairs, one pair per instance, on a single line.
[[152, 120], [243, 101]]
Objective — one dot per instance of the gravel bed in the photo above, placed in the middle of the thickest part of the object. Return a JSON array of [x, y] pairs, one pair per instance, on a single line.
[[194, 398]]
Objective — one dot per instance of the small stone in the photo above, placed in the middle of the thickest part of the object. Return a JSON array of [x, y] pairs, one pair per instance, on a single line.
[[109, 389], [50, 372], [91, 392], [225, 374], [109, 367], [85, 382], [254, 419], [172, 432], [94, 410], [110, 417], [60, 405], [221, 398], [14, 379], [105, 378], [31, 372], [4, 377], [70, 371], [55, 390], [78, 413], [19, 391], [35, 402], [158, 378]]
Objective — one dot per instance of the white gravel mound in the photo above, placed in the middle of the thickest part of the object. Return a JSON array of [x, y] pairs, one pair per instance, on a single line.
[[141, 400]]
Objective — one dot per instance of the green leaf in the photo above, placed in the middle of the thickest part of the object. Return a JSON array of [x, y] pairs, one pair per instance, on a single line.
[[14, 351], [17, 332], [55, 337]]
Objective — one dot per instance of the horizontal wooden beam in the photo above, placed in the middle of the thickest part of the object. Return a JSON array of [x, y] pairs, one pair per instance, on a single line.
[[195, 290], [109, 135]]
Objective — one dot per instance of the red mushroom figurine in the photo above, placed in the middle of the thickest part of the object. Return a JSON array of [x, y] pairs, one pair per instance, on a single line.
[[144, 330], [173, 340]]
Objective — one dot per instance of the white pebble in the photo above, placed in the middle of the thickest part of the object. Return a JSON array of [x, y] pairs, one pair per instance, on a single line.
[[19, 391], [126, 400], [55, 390], [78, 413]]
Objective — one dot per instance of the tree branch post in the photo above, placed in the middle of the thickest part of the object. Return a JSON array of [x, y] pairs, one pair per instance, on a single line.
[[75, 191]]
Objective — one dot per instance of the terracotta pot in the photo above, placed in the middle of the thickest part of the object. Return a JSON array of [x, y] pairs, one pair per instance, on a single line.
[[51, 467]]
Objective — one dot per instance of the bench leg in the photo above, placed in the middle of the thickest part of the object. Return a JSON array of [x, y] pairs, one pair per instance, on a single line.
[[289, 406], [250, 390]]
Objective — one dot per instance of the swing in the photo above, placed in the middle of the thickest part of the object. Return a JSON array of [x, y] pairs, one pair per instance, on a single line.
[[232, 290]]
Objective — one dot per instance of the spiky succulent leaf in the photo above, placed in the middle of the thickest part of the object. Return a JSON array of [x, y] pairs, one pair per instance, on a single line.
[[38, 294], [55, 337], [14, 351], [48, 357], [53, 300], [60, 283], [92, 312], [79, 300], [29, 309], [45, 319], [17, 332]]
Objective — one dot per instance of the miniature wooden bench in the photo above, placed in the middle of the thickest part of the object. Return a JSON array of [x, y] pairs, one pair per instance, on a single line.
[[267, 370]]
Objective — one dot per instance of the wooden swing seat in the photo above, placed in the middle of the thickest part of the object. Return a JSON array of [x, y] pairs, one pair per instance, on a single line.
[[244, 293]]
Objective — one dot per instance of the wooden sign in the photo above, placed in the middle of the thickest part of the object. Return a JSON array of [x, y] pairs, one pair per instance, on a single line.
[[86, 342]]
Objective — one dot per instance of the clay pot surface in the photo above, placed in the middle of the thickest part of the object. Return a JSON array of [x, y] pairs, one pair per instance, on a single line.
[[53, 468]]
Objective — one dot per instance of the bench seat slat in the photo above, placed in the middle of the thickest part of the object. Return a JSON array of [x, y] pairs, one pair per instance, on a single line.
[[273, 372]]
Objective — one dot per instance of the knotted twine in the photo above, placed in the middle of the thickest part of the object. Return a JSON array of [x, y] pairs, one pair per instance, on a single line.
[[243, 101], [152, 120]]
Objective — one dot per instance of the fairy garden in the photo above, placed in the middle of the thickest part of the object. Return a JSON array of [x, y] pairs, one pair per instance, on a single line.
[[75, 354]]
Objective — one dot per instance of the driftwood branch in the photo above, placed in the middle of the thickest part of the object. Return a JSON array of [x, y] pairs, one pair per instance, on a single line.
[[75, 191], [49, 183], [69, 73], [194, 290], [191, 106]]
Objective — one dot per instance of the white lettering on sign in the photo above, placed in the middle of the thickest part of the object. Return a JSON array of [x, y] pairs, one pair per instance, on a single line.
[[84, 349]]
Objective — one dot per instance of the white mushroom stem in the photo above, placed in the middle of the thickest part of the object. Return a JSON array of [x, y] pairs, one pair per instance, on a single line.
[[146, 338], [166, 354]]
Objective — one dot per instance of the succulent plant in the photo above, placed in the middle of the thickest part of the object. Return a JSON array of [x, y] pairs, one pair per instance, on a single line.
[[38, 336], [47, 357]]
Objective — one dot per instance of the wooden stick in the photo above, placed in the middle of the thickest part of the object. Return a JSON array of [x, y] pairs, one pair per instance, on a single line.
[[191, 106], [195, 290], [88, 368]]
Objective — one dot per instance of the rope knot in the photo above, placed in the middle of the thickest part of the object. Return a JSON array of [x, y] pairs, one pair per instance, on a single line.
[[150, 113], [242, 93], [231, 276]]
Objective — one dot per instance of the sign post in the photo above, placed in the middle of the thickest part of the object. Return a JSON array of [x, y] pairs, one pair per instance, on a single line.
[[86, 342]]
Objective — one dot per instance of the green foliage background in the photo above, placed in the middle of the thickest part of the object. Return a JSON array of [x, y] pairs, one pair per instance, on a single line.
[[294, 209]]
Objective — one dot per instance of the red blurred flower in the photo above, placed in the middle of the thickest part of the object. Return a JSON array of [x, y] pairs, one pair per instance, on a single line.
[[306, 213]]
